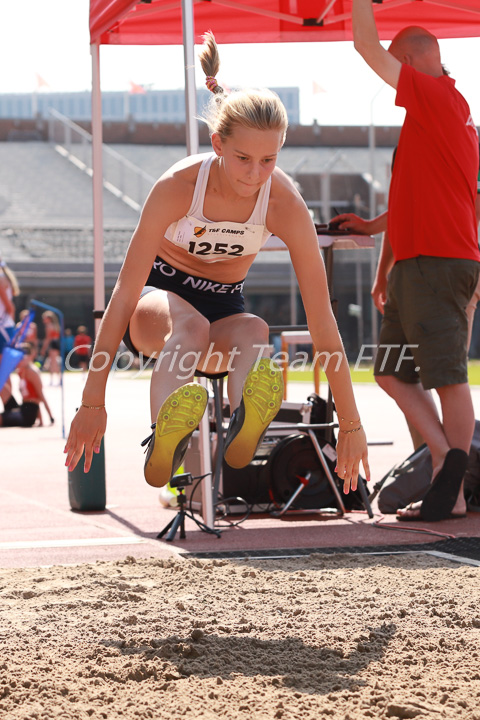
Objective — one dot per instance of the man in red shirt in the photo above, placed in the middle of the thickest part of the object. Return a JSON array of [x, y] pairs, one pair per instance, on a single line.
[[432, 232], [82, 346]]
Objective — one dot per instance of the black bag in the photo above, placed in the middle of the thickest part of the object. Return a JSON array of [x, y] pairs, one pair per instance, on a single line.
[[318, 415], [352, 501], [471, 481], [406, 482], [409, 480], [295, 456]]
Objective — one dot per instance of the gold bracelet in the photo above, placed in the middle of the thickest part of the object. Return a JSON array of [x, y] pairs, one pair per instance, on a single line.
[[93, 407], [348, 432], [352, 422]]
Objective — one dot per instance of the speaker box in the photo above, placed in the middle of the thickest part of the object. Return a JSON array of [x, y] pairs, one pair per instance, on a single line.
[[251, 482]]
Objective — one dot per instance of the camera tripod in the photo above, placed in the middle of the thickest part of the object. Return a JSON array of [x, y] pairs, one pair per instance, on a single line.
[[180, 482]]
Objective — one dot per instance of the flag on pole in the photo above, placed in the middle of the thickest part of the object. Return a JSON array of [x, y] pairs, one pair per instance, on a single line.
[[136, 89], [41, 82], [317, 89]]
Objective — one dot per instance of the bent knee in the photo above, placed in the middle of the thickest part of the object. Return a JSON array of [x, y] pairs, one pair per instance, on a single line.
[[255, 330], [384, 381], [192, 330]]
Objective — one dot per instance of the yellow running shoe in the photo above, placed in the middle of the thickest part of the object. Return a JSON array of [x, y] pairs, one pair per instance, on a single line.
[[261, 400], [178, 417]]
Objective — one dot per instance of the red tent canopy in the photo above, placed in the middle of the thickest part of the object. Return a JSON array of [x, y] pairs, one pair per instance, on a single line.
[[159, 22]]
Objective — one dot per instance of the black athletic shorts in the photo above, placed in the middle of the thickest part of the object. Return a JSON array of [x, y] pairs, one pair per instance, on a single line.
[[213, 300]]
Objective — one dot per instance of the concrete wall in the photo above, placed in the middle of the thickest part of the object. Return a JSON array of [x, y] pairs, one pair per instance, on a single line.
[[174, 134]]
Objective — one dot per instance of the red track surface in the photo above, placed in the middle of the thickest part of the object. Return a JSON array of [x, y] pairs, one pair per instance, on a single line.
[[38, 527]]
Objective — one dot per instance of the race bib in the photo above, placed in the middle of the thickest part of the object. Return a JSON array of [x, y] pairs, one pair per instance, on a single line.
[[219, 240]]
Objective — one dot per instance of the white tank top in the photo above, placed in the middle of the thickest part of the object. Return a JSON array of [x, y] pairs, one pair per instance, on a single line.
[[212, 241]]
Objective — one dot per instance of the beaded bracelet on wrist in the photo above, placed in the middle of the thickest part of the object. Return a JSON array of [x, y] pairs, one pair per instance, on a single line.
[[92, 407], [349, 432]]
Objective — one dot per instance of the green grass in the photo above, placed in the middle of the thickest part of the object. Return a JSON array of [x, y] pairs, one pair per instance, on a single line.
[[474, 372], [365, 374]]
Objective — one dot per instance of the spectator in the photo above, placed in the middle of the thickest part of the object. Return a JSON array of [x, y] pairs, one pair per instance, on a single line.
[[51, 345], [8, 290], [350, 221], [432, 234], [28, 413], [82, 345], [32, 332], [68, 340]]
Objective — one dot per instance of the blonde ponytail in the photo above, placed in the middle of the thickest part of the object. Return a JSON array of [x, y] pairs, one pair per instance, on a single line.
[[254, 109]]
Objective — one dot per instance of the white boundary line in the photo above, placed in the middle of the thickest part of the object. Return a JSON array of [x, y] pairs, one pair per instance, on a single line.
[[86, 520], [453, 558], [90, 520], [434, 553], [86, 542]]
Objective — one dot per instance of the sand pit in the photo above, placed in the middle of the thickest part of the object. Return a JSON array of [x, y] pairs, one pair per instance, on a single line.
[[339, 636]]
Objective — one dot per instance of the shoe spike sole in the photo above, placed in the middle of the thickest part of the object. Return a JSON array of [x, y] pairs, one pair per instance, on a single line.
[[261, 399], [177, 419]]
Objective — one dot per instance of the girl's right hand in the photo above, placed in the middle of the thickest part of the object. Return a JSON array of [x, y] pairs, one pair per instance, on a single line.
[[86, 433]]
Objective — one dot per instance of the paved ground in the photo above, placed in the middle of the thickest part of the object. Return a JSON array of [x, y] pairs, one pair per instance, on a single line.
[[38, 526]]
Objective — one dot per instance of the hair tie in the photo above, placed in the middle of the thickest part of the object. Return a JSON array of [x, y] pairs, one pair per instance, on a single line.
[[211, 83]]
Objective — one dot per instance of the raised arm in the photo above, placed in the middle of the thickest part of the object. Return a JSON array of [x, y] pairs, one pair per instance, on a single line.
[[291, 221], [367, 43]]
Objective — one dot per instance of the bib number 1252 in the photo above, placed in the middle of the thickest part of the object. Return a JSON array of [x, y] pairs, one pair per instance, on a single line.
[[206, 248]]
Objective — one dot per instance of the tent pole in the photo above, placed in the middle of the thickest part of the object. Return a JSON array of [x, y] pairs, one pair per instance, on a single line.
[[97, 166], [190, 90], [191, 124]]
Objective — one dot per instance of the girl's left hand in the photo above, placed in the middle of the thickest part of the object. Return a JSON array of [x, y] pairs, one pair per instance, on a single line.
[[351, 450]]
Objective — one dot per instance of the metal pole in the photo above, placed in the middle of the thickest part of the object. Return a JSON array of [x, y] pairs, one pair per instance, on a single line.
[[359, 300], [371, 148], [293, 296], [97, 167], [206, 464], [326, 197], [293, 277], [191, 123], [373, 208]]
